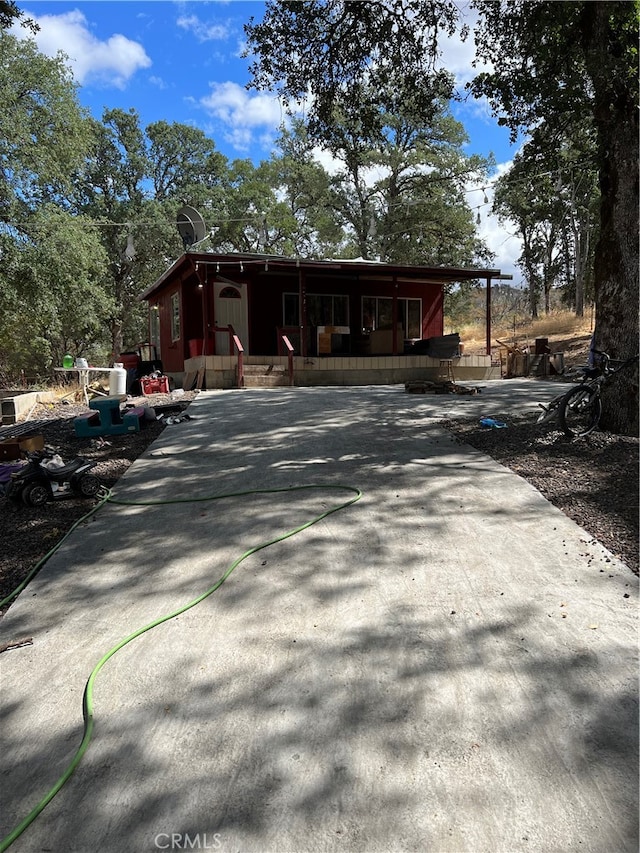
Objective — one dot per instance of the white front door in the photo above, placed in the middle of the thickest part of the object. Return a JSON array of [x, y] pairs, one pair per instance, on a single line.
[[230, 308]]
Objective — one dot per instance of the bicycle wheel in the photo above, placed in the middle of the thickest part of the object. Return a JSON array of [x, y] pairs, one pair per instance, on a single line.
[[549, 410], [580, 411]]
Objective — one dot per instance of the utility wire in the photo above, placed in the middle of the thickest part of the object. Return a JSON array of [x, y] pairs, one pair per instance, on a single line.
[[258, 217]]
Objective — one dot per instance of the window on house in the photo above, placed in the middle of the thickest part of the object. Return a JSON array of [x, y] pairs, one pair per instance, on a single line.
[[322, 309], [230, 293], [377, 313], [175, 316]]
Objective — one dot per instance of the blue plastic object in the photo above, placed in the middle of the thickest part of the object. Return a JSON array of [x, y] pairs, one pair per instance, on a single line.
[[105, 418], [492, 423]]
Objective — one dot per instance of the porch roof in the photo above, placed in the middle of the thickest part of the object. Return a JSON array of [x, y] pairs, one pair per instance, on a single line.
[[246, 262]]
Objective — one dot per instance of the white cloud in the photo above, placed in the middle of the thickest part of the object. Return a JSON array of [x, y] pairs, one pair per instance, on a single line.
[[249, 118], [112, 62], [203, 31], [501, 240], [331, 164], [158, 82], [457, 57], [234, 105]]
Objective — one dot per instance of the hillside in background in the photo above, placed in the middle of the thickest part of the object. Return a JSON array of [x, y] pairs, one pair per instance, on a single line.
[[565, 332]]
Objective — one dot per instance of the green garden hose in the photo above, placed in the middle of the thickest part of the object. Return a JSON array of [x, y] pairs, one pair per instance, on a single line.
[[87, 700]]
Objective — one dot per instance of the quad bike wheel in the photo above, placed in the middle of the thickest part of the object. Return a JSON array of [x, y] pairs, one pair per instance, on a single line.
[[35, 494], [86, 486]]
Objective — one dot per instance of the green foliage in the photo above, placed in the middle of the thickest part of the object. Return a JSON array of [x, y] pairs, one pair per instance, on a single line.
[[341, 53], [561, 66], [10, 14], [44, 133], [305, 187], [137, 231], [380, 108], [551, 194], [179, 158], [535, 51], [54, 303]]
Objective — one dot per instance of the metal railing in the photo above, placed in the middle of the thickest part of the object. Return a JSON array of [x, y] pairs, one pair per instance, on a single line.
[[240, 351], [289, 348]]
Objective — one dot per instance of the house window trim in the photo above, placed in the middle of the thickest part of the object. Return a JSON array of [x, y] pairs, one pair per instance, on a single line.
[[404, 320], [176, 330], [230, 291]]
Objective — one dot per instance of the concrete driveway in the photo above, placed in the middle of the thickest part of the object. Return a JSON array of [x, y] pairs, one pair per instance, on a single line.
[[449, 664]]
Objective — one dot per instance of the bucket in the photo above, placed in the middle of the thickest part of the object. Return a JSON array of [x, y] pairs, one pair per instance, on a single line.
[[195, 347], [117, 380], [129, 360]]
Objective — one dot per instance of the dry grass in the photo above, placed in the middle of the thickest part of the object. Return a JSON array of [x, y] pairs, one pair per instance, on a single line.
[[557, 326], [73, 392]]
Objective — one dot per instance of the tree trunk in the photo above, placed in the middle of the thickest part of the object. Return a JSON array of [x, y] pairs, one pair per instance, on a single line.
[[616, 254], [580, 234], [116, 338], [530, 273], [582, 254]]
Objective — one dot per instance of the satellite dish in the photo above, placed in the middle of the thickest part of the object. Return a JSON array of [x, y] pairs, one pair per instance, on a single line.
[[191, 226]]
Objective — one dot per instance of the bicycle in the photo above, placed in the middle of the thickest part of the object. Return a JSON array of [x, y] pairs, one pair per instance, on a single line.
[[578, 410]]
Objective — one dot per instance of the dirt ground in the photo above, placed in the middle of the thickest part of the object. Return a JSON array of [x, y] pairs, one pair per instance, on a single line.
[[594, 480], [28, 533]]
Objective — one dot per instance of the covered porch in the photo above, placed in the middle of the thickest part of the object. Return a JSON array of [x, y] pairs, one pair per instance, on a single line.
[[241, 370], [222, 318]]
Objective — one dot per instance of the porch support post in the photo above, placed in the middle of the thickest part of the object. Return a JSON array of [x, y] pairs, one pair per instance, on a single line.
[[205, 331], [488, 317], [302, 299], [394, 317], [200, 271]]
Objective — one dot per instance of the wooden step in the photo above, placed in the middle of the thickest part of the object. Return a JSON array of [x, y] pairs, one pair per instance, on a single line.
[[266, 382], [265, 376], [264, 369]]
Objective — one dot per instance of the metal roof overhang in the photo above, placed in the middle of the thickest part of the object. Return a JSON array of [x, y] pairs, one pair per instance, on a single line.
[[373, 270]]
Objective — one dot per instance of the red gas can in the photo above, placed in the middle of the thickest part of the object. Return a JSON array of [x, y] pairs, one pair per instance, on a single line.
[[154, 385]]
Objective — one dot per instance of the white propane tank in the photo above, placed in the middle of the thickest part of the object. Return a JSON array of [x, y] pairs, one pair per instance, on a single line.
[[117, 380]]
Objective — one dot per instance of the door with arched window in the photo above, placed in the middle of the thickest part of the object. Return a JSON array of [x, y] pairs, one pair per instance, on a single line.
[[230, 308]]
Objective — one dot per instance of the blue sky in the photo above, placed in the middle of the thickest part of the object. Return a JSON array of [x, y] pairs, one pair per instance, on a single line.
[[181, 61]]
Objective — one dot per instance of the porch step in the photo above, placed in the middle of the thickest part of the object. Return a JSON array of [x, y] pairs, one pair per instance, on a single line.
[[265, 376]]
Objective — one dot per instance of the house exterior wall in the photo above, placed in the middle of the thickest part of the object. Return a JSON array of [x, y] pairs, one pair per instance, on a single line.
[[433, 316], [171, 352], [195, 316], [191, 281]]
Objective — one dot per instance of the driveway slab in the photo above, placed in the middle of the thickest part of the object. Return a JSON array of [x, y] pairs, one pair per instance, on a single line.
[[449, 664]]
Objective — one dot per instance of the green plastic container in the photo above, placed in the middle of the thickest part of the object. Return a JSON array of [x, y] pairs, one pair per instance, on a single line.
[[67, 361]]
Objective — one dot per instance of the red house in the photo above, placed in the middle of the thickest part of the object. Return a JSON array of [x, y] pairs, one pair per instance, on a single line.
[[221, 313]]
